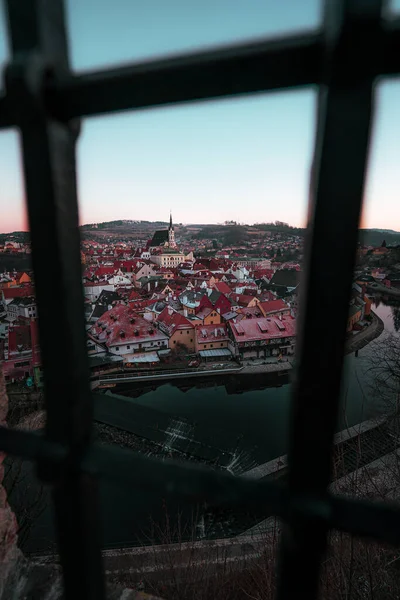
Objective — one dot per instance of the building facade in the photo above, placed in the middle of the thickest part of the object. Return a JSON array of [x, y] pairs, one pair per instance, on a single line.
[[263, 337]]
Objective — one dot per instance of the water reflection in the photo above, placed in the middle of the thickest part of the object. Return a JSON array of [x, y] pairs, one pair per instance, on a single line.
[[260, 412]]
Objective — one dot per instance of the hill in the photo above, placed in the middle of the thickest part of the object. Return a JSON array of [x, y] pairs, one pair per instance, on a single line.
[[375, 237]]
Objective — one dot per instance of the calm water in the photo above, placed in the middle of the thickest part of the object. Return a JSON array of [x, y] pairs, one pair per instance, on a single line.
[[264, 414]]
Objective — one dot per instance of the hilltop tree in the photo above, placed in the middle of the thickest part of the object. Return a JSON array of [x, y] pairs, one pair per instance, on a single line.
[[235, 235]]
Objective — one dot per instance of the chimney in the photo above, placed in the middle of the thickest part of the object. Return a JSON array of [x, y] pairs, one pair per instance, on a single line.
[[216, 332]]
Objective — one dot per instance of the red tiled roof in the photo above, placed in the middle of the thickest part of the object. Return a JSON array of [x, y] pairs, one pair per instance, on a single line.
[[251, 312], [259, 273], [104, 271], [223, 287], [241, 299], [170, 321], [263, 329], [210, 333], [134, 295], [273, 306], [18, 292], [122, 325]]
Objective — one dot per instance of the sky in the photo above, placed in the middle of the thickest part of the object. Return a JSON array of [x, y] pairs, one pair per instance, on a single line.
[[245, 159]]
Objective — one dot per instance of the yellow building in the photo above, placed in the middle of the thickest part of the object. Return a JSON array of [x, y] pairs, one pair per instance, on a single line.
[[209, 316], [169, 258], [179, 330]]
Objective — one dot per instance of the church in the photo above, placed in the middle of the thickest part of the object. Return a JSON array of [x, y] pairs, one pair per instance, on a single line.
[[164, 251], [164, 237]]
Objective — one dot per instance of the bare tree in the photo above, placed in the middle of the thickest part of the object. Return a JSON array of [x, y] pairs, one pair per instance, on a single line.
[[27, 497], [383, 372]]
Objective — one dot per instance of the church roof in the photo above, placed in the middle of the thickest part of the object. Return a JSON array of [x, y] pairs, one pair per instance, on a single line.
[[159, 238]]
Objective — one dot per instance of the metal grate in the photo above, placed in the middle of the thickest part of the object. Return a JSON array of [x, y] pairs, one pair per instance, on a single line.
[[45, 101]]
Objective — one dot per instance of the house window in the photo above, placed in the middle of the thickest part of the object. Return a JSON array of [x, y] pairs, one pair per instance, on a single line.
[[174, 341], [24, 363], [211, 345], [117, 348], [221, 344], [212, 322], [191, 339], [128, 347]]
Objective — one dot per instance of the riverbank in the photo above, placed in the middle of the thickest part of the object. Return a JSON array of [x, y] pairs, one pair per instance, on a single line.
[[364, 337], [378, 288], [250, 367]]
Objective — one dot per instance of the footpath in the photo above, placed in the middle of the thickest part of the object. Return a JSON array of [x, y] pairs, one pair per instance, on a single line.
[[364, 337]]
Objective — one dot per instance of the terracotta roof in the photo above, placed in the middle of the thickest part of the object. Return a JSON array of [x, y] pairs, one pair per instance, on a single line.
[[241, 299], [17, 292], [265, 328], [223, 287], [170, 321], [210, 333], [100, 271], [273, 306], [122, 325], [251, 312]]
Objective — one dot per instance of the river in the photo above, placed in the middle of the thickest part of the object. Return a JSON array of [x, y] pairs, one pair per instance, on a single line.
[[263, 414]]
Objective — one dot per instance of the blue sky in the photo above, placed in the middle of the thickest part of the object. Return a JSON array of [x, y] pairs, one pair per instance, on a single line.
[[246, 159]]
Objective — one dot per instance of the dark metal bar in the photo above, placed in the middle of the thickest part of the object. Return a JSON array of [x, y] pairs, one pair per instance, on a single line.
[[390, 54], [42, 98], [378, 521], [259, 66], [194, 484], [7, 117], [345, 107], [30, 446], [39, 48], [240, 69]]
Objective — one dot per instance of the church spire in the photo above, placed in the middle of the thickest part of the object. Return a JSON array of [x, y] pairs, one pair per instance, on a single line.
[[171, 233]]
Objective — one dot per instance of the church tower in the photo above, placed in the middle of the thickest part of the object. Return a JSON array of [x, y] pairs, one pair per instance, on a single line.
[[171, 233]]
